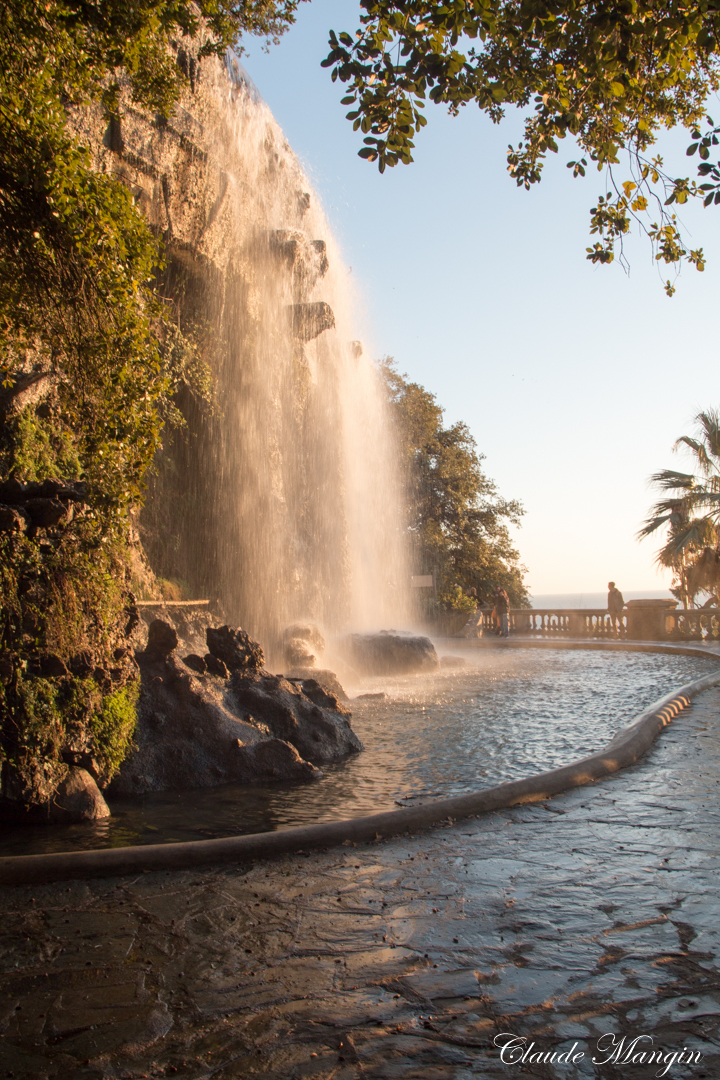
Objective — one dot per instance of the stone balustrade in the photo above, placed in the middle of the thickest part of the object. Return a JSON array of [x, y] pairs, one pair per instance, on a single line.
[[568, 622], [640, 621]]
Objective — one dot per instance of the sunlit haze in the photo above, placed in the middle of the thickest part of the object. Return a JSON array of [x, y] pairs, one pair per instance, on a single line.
[[574, 380]]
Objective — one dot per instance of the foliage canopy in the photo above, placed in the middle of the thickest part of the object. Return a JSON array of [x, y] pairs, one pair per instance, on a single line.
[[457, 521], [609, 74]]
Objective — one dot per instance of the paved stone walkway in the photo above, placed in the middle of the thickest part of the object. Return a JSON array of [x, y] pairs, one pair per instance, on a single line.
[[595, 913]]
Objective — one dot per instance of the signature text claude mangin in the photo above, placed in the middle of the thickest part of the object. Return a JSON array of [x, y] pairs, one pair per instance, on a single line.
[[610, 1049]]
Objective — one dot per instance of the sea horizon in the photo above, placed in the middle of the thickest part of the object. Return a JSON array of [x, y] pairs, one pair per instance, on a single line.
[[594, 599]]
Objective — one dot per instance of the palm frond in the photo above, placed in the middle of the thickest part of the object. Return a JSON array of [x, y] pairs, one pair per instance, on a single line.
[[671, 480], [697, 448], [709, 422], [698, 533], [652, 525], [690, 510]]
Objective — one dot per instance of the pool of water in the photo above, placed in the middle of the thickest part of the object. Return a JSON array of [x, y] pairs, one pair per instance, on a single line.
[[506, 714]]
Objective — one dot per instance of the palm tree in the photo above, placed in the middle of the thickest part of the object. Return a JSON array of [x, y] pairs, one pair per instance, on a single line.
[[690, 511]]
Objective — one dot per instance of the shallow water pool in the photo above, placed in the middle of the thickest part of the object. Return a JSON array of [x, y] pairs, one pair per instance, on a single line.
[[507, 714]]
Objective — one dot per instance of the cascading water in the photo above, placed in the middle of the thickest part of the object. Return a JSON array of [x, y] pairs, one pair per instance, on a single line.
[[290, 506]]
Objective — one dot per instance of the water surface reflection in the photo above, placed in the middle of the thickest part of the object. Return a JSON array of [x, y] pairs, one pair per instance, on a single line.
[[508, 714]]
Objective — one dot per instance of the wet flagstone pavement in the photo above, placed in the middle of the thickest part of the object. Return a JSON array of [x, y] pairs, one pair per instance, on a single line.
[[560, 922]]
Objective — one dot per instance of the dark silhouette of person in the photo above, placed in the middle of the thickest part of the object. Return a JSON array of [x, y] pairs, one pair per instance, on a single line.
[[615, 604], [502, 609]]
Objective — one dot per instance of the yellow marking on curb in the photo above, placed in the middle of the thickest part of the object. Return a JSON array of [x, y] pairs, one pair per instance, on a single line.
[[635, 925], [533, 797]]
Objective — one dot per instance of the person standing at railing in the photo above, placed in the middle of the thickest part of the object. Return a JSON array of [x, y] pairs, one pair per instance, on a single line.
[[502, 608], [615, 605]]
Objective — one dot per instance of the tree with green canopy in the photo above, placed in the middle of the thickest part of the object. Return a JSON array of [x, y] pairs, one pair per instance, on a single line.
[[457, 521], [608, 75], [689, 512]]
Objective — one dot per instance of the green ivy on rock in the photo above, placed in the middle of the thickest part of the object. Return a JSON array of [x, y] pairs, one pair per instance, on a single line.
[[90, 363]]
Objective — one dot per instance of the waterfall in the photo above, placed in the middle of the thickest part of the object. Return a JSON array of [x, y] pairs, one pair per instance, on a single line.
[[286, 502]]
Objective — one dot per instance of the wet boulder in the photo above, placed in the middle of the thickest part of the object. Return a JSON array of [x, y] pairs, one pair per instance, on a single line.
[[235, 648], [162, 640], [302, 643], [186, 736], [324, 678], [273, 759], [319, 729], [74, 797], [202, 730], [391, 653], [77, 798]]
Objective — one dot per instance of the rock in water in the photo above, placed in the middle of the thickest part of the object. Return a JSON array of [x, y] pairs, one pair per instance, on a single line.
[[242, 725], [77, 798], [274, 759], [320, 732], [388, 653]]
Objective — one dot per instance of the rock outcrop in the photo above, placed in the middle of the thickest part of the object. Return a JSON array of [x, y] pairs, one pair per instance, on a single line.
[[311, 320], [303, 714], [189, 620], [76, 798], [235, 724], [322, 677], [39, 505], [234, 648], [391, 653], [302, 642]]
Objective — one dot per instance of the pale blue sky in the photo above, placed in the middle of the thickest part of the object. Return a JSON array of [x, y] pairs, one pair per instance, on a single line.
[[575, 380]]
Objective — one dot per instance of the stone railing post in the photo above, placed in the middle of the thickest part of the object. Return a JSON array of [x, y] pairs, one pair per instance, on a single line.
[[646, 619]]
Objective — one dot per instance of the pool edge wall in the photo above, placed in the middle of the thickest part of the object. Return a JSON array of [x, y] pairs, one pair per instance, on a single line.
[[625, 749]]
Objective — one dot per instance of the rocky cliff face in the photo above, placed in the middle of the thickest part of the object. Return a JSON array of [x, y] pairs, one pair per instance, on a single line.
[[276, 499]]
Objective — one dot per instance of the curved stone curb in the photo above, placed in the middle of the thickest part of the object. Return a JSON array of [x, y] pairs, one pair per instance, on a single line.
[[626, 748], [679, 648]]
